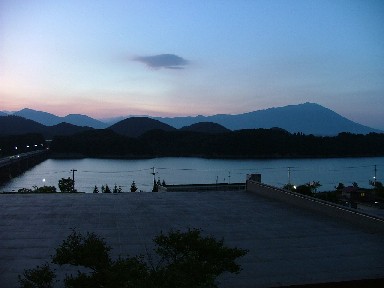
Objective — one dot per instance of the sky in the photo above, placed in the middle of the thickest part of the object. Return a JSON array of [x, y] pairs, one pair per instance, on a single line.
[[185, 58]]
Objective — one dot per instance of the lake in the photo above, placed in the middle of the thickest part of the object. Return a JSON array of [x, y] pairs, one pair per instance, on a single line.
[[277, 172]]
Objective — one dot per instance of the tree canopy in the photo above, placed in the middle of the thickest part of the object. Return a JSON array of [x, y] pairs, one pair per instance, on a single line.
[[254, 143], [185, 260]]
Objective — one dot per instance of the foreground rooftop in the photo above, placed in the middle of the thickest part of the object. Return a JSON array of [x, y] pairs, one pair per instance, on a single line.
[[287, 244]]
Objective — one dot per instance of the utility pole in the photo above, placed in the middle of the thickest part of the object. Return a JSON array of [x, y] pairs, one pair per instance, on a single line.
[[73, 179], [289, 175], [155, 188], [153, 173]]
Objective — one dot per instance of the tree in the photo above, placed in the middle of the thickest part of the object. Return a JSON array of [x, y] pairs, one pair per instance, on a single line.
[[88, 251], [340, 187], [107, 189], [190, 260], [304, 189], [95, 190], [115, 189], [376, 184], [186, 259], [66, 185], [39, 277], [289, 187], [313, 186], [133, 187]]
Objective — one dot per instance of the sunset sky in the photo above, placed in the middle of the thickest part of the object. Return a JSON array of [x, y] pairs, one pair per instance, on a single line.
[[175, 58]]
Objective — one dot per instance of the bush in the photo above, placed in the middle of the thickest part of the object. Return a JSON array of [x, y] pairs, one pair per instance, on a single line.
[[45, 189], [25, 190]]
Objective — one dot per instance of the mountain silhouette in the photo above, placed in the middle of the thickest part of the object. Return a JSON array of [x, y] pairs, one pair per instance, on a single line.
[[64, 129], [137, 126], [49, 119], [41, 117], [307, 118], [206, 127], [17, 125], [83, 120]]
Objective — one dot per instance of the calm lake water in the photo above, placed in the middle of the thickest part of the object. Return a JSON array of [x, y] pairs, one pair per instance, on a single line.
[[91, 172]]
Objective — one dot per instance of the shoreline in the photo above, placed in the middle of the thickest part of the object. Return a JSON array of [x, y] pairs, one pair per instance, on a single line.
[[54, 155]]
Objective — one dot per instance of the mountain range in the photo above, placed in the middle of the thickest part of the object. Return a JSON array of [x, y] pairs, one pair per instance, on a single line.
[[307, 118], [17, 125], [49, 119]]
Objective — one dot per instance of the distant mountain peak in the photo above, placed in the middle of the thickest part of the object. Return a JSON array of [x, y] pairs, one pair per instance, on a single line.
[[16, 125], [49, 119], [206, 127], [137, 126], [307, 118]]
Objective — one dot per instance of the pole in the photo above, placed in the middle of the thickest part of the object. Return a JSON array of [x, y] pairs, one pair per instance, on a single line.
[[153, 173], [289, 175], [155, 188], [374, 178], [73, 179]]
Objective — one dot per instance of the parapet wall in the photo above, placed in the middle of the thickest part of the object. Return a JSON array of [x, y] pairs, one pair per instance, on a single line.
[[373, 223], [205, 187]]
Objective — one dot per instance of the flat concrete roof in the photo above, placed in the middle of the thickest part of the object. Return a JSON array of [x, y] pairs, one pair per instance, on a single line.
[[287, 245]]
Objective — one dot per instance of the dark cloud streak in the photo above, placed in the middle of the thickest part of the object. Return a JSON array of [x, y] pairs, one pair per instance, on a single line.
[[167, 61]]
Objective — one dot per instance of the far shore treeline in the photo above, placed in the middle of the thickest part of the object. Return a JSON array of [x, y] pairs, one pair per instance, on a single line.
[[255, 143]]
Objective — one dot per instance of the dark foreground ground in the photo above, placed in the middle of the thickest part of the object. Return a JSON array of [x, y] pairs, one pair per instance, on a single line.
[[288, 245], [367, 283]]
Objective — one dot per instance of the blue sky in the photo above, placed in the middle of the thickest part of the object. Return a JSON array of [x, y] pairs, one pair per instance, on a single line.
[[176, 58]]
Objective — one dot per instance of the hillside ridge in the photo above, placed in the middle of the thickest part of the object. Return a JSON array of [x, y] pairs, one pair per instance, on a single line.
[[307, 118]]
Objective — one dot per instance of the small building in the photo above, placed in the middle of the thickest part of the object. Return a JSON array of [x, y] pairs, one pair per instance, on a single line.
[[353, 194], [254, 177]]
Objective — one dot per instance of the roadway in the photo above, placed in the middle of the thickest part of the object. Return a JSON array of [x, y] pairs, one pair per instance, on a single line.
[[4, 161]]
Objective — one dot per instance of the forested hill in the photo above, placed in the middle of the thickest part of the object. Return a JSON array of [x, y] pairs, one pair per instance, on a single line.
[[255, 143]]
